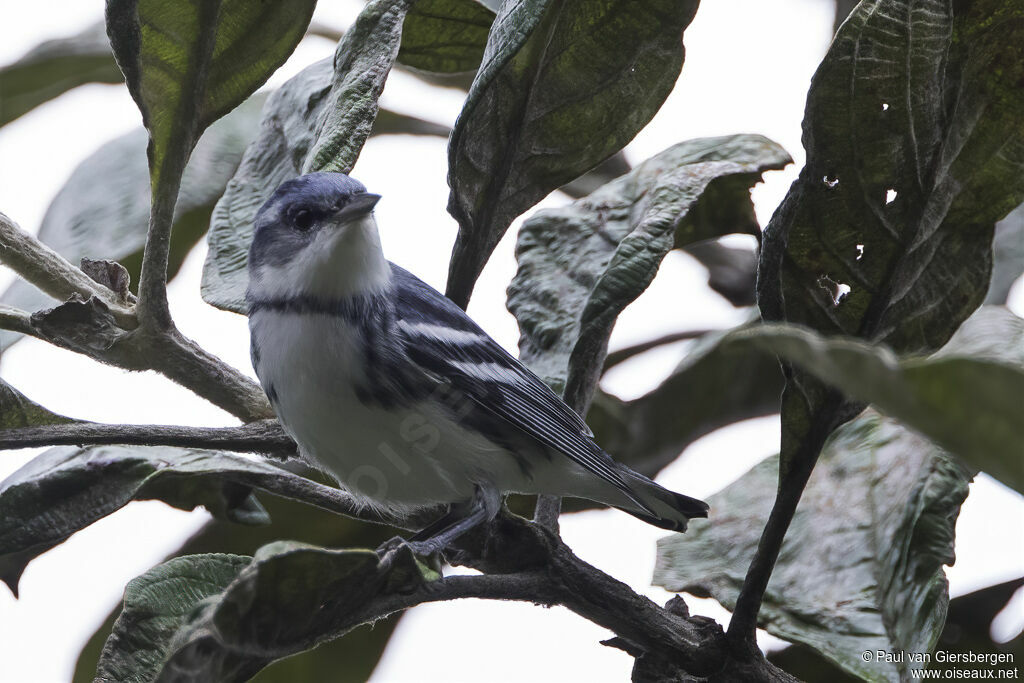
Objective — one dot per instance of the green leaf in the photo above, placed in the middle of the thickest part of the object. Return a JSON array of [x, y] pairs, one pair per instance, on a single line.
[[1007, 256], [66, 489], [861, 567], [291, 119], [52, 68], [719, 382], [966, 398], [582, 264], [914, 148], [156, 604], [350, 658], [188, 64], [290, 598], [17, 410], [563, 85], [102, 212], [445, 36], [362, 63]]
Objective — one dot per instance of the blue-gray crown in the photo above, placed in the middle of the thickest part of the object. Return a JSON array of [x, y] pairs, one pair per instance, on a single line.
[[288, 220]]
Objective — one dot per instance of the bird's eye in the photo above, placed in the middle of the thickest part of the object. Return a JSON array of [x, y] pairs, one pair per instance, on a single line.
[[303, 220]]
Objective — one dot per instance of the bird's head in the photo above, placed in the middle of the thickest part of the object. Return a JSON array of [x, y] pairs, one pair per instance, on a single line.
[[316, 235]]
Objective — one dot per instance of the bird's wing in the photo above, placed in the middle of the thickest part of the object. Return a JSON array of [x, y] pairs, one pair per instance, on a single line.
[[445, 342]]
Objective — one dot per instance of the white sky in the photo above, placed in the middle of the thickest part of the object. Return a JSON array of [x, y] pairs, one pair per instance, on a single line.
[[747, 70]]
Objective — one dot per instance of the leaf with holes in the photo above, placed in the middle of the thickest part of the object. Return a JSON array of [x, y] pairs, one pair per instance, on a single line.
[[915, 146], [102, 211], [581, 265], [289, 599], [445, 36], [563, 85], [67, 489], [861, 567], [52, 68]]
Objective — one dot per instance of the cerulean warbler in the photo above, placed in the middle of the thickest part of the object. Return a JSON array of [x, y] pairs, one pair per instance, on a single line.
[[394, 391]]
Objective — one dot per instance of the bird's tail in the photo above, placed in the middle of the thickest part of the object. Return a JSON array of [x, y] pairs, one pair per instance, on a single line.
[[659, 506]]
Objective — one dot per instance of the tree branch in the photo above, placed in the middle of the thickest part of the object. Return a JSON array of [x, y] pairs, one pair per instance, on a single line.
[[622, 355], [264, 437], [16, 320], [52, 273]]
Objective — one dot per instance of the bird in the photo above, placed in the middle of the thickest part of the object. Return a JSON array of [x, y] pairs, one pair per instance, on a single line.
[[396, 393]]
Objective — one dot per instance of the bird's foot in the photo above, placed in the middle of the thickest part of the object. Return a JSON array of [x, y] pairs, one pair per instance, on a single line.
[[428, 551]]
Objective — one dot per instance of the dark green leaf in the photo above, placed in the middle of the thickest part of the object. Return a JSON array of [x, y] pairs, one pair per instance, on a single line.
[[914, 148], [351, 658], [581, 264], [156, 604], [732, 271], [17, 410], [966, 398], [563, 85], [861, 566], [718, 383], [445, 36], [290, 598], [967, 630], [362, 63], [102, 212], [1007, 256], [66, 489], [291, 119], [54, 67], [188, 64]]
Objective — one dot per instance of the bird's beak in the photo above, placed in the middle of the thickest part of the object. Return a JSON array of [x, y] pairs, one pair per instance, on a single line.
[[360, 205]]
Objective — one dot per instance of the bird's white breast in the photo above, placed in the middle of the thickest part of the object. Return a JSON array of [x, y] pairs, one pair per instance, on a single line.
[[400, 458]]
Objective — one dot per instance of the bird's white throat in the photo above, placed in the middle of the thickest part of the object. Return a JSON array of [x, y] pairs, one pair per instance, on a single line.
[[341, 261]]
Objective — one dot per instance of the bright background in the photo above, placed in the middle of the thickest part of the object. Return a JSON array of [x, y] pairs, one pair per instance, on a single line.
[[748, 65]]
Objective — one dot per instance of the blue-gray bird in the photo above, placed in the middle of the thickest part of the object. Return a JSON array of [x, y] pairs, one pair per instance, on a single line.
[[394, 391]]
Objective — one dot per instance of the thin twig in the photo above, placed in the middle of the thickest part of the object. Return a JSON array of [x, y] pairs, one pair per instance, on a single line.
[[17, 320], [52, 273], [622, 355]]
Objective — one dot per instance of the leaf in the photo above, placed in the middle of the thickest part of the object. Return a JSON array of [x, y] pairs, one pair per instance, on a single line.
[[966, 631], [861, 567], [156, 604], [52, 68], [66, 489], [732, 271], [582, 264], [188, 64], [102, 212], [291, 119], [290, 598], [563, 85], [719, 382], [914, 149], [362, 63], [1007, 256], [966, 398], [17, 410], [350, 658], [445, 36]]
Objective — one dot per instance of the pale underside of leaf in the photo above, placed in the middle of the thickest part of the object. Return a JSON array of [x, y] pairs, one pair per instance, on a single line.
[[861, 567], [581, 265]]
